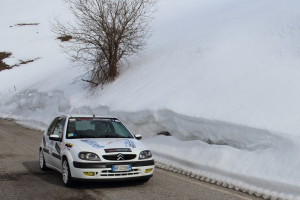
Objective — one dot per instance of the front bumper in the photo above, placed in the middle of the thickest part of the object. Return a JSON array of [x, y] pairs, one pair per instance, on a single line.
[[103, 171]]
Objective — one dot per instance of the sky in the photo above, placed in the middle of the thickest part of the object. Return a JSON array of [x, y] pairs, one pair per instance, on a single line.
[[222, 77]]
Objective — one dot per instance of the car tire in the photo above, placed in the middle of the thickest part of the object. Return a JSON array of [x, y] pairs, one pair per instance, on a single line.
[[66, 174], [42, 161]]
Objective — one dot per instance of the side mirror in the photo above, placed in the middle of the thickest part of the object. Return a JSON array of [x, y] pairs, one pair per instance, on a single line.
[[54, 137], [138, 136]]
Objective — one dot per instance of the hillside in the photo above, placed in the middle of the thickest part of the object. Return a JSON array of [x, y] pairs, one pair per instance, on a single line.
[[221, 76]]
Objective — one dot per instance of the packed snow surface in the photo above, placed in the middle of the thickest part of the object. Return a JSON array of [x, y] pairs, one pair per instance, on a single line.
[[222, 76]]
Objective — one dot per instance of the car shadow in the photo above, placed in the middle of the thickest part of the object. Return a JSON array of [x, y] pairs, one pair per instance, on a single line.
[[106, 184], [49, 176], [53, 177]]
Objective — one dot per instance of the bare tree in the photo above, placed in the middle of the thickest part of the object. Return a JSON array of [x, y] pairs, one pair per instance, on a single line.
[[104, 33]]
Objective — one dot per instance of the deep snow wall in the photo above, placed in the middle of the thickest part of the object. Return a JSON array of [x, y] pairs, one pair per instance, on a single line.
[[219, 152]]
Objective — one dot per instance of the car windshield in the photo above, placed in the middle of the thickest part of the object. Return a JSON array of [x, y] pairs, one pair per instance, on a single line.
[[96, 128]]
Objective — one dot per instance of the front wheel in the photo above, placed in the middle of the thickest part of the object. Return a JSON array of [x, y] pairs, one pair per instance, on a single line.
[[66, 174]]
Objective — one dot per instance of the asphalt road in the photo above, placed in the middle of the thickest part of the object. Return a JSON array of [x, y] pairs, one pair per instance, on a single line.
[[21, 178]]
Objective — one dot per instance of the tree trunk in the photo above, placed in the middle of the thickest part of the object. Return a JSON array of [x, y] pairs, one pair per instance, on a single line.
[[113, 72]]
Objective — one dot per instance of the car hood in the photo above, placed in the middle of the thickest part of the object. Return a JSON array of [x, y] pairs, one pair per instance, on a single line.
[[102, 144]]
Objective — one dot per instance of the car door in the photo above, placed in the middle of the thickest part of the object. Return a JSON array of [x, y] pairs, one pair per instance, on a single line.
[[56, 145], [48, 143]]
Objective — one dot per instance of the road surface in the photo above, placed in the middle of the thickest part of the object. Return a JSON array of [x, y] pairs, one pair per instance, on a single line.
[[21, 178]]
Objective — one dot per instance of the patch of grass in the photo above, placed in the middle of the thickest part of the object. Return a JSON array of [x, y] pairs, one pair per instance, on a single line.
[[4, 66], [25, 24], [23, 62], [65, 38], [26, 61], [4, 55]]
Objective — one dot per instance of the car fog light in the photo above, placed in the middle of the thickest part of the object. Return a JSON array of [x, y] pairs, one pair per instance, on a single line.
[[148, 170], [89, 173]]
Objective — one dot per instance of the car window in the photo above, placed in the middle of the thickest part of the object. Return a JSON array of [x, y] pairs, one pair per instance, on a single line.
[[58, 130], [96, 128], [120, 129], [84, 125], [52, 126]]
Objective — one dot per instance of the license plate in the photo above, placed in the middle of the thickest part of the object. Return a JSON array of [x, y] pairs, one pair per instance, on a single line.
[[121, 168]]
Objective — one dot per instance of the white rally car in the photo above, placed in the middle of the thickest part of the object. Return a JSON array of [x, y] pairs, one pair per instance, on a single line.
[[94, 148]]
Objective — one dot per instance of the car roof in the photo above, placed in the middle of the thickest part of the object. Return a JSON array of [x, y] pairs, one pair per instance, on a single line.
[[87, 116]]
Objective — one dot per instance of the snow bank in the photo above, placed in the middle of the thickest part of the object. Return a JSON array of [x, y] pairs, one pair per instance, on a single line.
[[233, 61], [247, 159], [35, 106]]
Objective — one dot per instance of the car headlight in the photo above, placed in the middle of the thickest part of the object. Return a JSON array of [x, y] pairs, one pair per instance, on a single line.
[[88, 156], [145, 154]]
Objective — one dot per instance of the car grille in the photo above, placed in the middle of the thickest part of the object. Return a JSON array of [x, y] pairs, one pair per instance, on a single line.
[[119, 157], [117, 150], [111, 173]]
